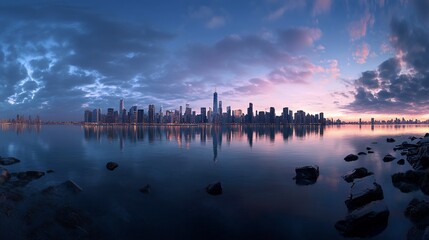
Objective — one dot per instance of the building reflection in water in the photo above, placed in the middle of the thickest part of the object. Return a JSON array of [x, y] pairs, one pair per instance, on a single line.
[[185, 135], [21, 128]]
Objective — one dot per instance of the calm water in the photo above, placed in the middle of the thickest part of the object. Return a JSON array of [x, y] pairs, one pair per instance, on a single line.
[[256, 166]]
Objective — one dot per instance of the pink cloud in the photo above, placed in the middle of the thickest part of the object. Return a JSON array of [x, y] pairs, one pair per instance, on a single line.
[[361, 53], [289, 5], [333, 69], [321, 6], [358, 29]]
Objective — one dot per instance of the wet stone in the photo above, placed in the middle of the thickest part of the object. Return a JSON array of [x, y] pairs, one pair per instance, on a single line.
[[214, 189], [388, 158], [351, 157], [8, 160], [356, 174], [362, 192], [401, 162], [390, 140], [111, 166]]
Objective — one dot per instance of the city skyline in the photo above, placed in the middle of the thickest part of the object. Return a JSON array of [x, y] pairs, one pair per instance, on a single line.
[[349, 59]]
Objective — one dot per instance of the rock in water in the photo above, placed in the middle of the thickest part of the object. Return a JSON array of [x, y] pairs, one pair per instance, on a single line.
[[356, 173], [30, 175], [306, 175], [4, 175], [214, 189], [388, 158], [401, 162], [9, 160], [368, 148], [362, 153], [351, 157], [362, 192], [111, 166], [390, 140], [67, 187], [145, 189], [418, 212], [364, 222], [409, 181], [370, 151]]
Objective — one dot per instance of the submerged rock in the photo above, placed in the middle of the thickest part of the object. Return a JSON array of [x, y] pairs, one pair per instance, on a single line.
[[388, 158], [30, 175], [111, 166], [367, 221], [368, 148], [70, 217], [306, 175], [409, 181], [370, 151], [401, 161], [364, 191], [8, 160], [4, 175], [145, 189], [50, 171], [362, 153], [390, 140], [356, 173], [418, 212], [351, 157], [67, 187], [214, 189]]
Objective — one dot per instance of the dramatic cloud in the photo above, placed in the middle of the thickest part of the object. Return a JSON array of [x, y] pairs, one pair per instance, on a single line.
[[299, 38], [399, 84], [358, 29], [321, 6], [361, 53]]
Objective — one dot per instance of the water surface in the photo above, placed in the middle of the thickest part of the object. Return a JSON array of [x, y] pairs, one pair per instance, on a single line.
[[255, 165]]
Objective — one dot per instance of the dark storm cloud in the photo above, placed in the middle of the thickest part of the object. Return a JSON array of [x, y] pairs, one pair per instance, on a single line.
[[52, 54], [399, 84]]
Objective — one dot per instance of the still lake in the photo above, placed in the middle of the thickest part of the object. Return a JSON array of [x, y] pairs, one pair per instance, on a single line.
[[255, 165]]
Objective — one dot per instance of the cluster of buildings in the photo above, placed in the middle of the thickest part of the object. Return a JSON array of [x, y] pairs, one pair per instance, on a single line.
[[21, 119], [215, 115]]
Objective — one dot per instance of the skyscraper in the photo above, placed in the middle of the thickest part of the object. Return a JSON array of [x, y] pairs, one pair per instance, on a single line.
[[203, 115], [151, 113], [285, 115], [272, 115], [121, 105], [250, 113], [215, 103]]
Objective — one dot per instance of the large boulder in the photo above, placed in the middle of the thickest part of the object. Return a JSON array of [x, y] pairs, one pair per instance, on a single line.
[[306, 175], [419, 158], [30, 175], [111, 166], [351, 157], [362, 192], [408, 181], [356, 173], [388, 158], [418, 212], [4, 175], [214, 189], [367, 221], [8, 160]]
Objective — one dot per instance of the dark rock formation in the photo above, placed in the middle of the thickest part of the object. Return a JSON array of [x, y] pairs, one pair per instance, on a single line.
[[368, 148], [362, 192], [390, 140], [368, 221], [388, 158], [370, 151], [361, 153], [50, 171], [214, 189], [111, 166], [418, 212], [411, 181], [351, 157], [401, 161], [4, 175], [306, 175], [419, 157], [30, 175], [67, 187], [145, 189], [8, 160], [356, 173]]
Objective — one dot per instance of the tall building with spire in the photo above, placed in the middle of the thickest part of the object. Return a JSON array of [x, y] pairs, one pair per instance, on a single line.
[[215, 103]]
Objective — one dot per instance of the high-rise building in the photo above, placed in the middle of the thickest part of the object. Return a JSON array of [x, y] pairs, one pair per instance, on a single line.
[[250, 113], [220, 108], [215, 112], [140, 116], [322, 118], [180, 116], [151, 113], [121, 105], [132, 114], [86, 118], [203, 115], [188, 113], [285, 115], [272, 115], [110, 115], [95, 116]]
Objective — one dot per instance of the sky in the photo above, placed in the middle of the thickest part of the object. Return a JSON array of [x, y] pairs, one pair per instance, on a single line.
[[349, 59]]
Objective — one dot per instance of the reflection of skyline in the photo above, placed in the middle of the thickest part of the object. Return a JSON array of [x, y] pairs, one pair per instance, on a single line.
[[21, 128], [185, 135]]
